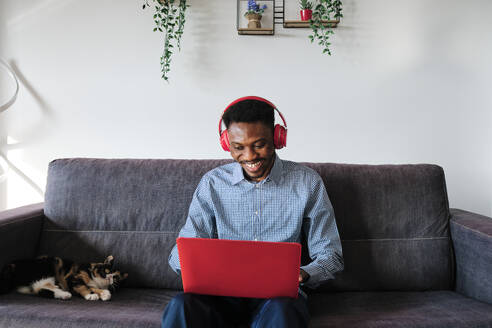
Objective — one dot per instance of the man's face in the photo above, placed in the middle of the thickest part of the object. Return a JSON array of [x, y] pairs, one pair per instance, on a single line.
[[252, 146]]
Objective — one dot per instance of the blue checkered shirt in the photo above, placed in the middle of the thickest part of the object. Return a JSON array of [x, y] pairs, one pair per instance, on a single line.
[[292, 200]]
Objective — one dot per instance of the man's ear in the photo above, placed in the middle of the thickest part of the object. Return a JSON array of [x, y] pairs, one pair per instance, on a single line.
[[109, 260]]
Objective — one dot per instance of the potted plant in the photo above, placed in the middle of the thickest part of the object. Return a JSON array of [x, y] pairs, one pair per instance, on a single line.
[[253, 14], [306, 10], [324, 14], [169, 19]]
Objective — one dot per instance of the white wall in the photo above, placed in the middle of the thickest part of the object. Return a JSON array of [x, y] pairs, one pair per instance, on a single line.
[[408, 82], [3, 99]]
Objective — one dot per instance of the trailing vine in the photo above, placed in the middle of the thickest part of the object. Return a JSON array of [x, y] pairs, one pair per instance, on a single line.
[[169, 19], [324, 10]]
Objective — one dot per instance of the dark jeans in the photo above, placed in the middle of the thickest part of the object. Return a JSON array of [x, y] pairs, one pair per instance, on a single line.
[[193, 310]]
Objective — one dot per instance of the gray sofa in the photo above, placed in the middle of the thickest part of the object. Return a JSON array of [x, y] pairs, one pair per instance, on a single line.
[[409, 260]]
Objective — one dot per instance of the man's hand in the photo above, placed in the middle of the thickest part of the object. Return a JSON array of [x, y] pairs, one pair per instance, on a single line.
[[303, 276]]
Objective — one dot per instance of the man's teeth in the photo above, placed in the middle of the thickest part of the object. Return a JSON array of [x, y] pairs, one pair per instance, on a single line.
[[254, 165]]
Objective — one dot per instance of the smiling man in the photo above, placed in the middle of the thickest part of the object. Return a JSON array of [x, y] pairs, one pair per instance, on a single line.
[[258, 197], [252, 147]]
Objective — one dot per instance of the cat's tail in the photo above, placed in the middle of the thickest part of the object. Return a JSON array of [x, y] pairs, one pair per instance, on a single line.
[[6, 278]]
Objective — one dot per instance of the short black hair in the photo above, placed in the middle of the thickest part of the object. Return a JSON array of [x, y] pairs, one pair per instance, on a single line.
[[248, 111]]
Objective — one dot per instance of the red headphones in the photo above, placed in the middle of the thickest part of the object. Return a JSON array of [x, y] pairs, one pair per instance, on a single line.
[[279, 133]]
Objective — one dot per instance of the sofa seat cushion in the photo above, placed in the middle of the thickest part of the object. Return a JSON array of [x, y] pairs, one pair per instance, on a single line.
[[398, 309], [144, 308], [128, 308]]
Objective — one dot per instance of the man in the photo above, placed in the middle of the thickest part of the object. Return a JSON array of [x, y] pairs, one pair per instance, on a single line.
[[259, 197]]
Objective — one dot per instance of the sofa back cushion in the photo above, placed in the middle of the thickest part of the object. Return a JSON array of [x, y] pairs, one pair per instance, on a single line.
[[394, 224], [393, 220]]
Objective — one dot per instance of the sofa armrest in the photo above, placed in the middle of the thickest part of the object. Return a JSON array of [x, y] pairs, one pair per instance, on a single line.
[[20, 229], [472, 241]]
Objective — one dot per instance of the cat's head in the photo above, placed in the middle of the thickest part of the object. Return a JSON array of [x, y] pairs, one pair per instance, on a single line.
[[105, 275]]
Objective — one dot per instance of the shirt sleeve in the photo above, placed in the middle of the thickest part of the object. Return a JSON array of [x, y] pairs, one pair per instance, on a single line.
[[200, 222], [322, 237]]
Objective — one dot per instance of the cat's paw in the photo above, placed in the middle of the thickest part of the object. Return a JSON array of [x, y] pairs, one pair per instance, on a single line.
[[61, 294], [91, 297], [105, 295]]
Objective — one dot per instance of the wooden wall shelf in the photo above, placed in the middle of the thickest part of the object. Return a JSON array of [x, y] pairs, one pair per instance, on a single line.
[[304, 24], [255, 31]]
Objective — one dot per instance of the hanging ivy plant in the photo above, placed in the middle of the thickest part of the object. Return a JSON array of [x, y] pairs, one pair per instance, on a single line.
[[324, 10], [169, 19]]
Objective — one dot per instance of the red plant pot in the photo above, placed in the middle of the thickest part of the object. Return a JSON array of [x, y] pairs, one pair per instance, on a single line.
[[306, 14]]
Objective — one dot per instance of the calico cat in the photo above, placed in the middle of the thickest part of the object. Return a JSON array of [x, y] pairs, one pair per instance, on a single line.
[[54, 277]]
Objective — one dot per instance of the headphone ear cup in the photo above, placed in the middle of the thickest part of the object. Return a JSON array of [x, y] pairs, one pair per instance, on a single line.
[[284, 137], [279, 136], [224, 140]]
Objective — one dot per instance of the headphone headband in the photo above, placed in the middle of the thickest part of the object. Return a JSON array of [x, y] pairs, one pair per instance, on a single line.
[[250, 98]]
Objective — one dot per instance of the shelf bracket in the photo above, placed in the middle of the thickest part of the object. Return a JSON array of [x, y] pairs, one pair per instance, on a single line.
[[279, 12]]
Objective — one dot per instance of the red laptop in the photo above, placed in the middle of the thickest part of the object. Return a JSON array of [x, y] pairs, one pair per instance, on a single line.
[[237, 268]]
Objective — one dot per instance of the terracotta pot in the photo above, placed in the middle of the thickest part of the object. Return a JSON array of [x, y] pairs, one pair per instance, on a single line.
[[306, 14], [254, 20]]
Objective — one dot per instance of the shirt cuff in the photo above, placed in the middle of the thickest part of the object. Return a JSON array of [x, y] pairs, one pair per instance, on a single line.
[[316, 275], [173, 261]]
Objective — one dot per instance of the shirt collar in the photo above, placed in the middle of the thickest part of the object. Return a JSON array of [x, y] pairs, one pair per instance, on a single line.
[[275, 173]]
